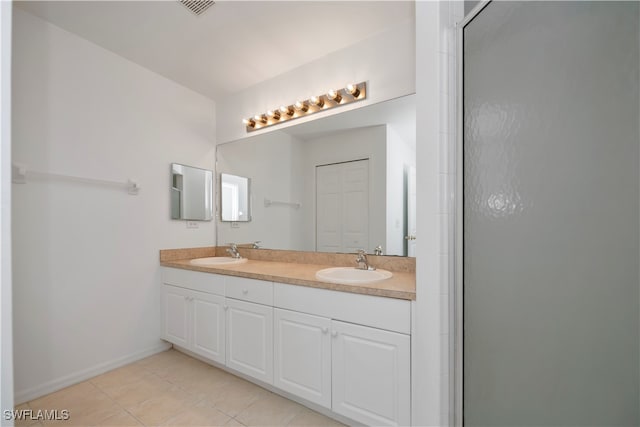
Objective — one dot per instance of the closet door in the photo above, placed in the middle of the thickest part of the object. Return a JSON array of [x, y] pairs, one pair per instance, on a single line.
[[342, 207], [551, 224]]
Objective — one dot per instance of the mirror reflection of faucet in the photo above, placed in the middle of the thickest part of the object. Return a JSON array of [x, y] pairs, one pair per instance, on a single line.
[[233, 251], [361, 260]]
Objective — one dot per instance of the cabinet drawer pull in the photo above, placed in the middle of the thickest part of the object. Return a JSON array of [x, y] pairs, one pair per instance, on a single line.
[[245, 291]]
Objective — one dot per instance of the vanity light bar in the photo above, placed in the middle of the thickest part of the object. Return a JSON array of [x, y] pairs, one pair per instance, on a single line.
[[333, 98]]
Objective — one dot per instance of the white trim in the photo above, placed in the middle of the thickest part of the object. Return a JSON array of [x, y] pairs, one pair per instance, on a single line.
[[57, 384], [6, 309], [473, 13], [458, 290]]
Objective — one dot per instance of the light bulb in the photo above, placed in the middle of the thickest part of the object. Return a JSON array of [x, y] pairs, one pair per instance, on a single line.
[[249, 122], [275, 114], [334, 95], [316, 100], [353, 90], [288, 110], [260, 118], [301, 106]]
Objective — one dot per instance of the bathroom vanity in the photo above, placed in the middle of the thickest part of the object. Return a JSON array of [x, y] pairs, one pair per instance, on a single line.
[[343, 348]]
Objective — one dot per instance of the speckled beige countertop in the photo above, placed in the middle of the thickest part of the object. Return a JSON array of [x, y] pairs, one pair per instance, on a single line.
[[402, 285]]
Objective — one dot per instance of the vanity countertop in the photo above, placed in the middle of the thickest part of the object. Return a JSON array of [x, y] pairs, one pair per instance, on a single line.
[[402, 285]]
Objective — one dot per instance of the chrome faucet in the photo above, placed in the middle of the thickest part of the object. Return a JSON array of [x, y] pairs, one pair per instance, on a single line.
[[233, 251], [378, 250], [256, 244], [361, 260]]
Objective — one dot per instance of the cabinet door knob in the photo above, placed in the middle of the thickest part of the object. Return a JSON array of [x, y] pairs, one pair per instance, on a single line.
[[334, 333], [325, 330], [245, 291]]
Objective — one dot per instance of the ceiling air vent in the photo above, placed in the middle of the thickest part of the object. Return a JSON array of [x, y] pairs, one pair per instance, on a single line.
[[198, 7]]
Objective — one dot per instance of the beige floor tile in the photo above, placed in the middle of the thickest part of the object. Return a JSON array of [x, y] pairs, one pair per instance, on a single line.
[[91, 409], [162, 407], [132, 394], [185, 371], [122, 418], [234, 423], [24, 418], [61, 398], [235, 395], [309, 418], [205, 383], [161, 360], [201, 414], [124, 375], [271, 410]]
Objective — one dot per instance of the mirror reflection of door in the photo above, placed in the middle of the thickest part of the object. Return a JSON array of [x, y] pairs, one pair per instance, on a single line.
[[342, 206]]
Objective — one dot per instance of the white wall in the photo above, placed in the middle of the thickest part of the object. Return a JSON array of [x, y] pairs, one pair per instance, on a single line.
[[86, 273], [6, 331], [355, 144], [386, 61]]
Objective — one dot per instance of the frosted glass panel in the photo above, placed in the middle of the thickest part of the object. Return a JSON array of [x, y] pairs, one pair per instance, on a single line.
[[551, 214]]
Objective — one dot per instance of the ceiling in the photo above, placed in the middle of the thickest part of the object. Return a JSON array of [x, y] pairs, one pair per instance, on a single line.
[[233, 45]]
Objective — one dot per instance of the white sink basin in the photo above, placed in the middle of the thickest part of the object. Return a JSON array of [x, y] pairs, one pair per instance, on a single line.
[[217, 260], [351, 275]]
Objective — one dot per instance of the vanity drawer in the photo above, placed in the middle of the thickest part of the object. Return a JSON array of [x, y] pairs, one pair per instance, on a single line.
[[195, 280], [251, 290], [379, 312]]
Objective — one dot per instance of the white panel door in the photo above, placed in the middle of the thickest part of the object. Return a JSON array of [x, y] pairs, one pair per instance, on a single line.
[[355, 206], [250, 339], [371, 375], [302, 355], [342, 207], [208, 322], [328, 209], [175, 315]]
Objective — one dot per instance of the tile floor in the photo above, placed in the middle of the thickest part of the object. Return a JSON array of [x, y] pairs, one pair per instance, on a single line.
[[173, 389]]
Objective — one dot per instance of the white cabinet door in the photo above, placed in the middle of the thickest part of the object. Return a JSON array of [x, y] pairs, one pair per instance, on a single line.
[[175, 315], [208, 326], [302, 355], [371, 374], [250, 339]]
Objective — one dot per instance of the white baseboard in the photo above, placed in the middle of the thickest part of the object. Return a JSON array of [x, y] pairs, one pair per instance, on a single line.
[[22, 396]]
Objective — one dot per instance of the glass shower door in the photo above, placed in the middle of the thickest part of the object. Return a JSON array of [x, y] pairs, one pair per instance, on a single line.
[[551, 214]]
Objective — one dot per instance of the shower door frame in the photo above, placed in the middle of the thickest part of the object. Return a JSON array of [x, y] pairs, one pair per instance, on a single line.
[[457, 317]]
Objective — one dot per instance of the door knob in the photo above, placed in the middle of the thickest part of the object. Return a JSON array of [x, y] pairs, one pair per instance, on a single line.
[[325, 330], [409, 237]]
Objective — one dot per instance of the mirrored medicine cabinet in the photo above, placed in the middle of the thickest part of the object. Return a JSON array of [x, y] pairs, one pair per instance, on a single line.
[[191, 193]]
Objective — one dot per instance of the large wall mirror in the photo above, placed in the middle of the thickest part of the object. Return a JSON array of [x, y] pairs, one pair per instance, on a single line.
[[335, 184], [191, 193]]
